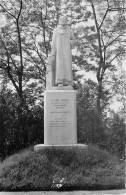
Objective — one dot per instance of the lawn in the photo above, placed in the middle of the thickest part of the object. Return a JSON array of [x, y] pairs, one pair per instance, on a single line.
[[62, 169]]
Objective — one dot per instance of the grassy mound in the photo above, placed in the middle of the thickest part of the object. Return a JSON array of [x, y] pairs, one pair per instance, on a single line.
[[61, 169]]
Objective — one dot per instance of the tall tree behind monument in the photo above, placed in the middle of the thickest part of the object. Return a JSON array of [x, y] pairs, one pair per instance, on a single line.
[[100, 40]]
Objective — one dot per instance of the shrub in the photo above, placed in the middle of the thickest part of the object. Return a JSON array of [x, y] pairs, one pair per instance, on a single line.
[[18, 131]]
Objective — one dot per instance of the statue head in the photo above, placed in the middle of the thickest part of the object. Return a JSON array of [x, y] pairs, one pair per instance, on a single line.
[[63, 21]]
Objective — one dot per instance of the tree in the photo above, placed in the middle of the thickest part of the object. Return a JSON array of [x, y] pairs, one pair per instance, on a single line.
[[13, 48], [25, 42], [100, 35], [109, 47]]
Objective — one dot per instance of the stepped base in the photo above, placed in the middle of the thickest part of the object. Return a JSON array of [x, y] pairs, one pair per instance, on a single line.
[[39, 147]]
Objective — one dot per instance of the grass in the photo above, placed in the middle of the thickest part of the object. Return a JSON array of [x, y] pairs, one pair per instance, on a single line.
[[62, 169]]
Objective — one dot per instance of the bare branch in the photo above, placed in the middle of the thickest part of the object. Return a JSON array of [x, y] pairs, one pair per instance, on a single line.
[[104, 50], [19, 36], [102, 73], [104, 17], [44, 32], [99, 43], [7, 11], [115, 39], [40, 58], [20, 9], [8, 69], [12, 39], [114, 58]]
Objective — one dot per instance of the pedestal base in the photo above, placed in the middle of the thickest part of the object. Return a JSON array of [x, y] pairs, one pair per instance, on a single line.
[[60, 126], [40, 147]]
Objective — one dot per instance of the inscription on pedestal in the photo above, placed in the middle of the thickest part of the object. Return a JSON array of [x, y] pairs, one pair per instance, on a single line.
[[60, 113], [60, 117]]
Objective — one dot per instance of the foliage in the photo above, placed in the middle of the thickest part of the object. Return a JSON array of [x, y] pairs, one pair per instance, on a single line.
[[116, 135], [90, 127], [108, 132], [99, 28], [62, 168], [17, 132], [99, 47], [25, 41]]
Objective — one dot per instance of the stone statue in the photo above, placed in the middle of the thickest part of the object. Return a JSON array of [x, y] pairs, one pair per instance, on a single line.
[[59, 71]]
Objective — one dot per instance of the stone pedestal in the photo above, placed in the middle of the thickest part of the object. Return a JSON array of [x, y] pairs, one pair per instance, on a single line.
[[60, 121], [60, 126]]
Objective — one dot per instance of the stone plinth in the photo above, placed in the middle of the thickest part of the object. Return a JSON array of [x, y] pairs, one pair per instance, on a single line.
[[60, 117], [41, 147]]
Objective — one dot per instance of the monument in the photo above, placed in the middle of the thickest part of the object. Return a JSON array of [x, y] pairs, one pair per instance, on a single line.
[[59, 71], [60, 126]]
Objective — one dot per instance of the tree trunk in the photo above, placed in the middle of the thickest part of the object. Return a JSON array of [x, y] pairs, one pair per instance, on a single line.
[[99, 92]]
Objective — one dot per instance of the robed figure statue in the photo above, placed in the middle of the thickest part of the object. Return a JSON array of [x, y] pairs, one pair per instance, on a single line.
[[59, 71]]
